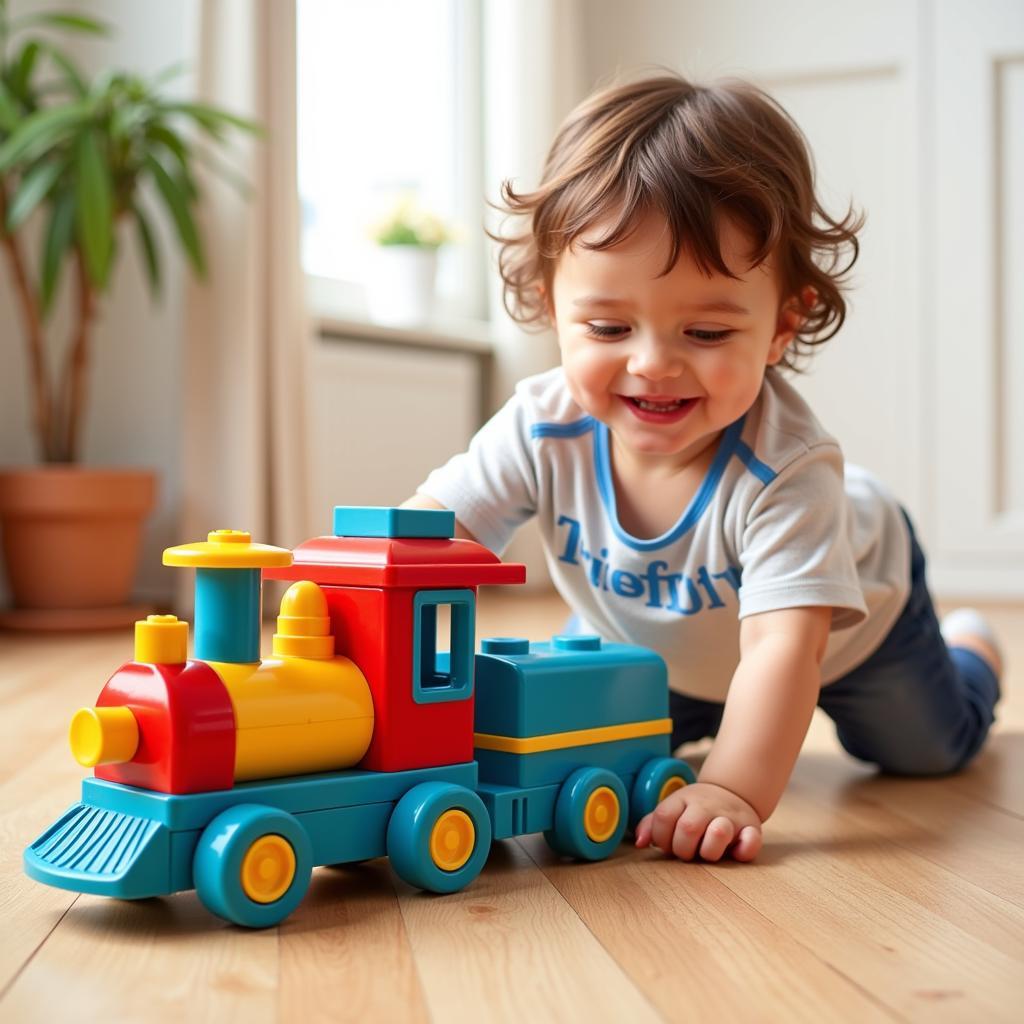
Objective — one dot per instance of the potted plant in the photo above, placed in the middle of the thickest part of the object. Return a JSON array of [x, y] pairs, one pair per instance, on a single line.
[[400, 288], [76, 157]]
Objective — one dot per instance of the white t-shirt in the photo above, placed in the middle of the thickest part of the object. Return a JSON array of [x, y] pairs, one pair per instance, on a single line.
[[775, 524]]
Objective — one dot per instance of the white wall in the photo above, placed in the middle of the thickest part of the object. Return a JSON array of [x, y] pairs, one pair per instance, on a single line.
[[134, 409]]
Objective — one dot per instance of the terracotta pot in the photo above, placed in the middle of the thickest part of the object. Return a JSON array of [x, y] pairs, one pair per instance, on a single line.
[[71, 538]]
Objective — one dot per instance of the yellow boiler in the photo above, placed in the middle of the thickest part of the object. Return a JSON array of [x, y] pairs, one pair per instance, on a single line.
[[304, 709]]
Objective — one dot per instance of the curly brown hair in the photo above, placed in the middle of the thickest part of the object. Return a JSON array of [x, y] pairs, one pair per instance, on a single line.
[[693, 154]]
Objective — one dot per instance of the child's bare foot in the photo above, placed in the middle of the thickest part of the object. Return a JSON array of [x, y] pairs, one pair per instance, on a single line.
[[966, 627]]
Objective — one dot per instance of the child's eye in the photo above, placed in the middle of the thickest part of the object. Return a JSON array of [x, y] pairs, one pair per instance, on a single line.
[[709, 337], [606, 330]]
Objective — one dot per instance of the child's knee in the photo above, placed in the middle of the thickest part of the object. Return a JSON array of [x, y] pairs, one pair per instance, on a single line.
[[922, 759]]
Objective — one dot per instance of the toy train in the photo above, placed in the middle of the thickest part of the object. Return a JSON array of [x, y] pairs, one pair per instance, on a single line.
[[360, 737]]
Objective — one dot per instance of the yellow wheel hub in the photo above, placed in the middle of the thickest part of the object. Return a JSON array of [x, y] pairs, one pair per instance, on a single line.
[[452, 840], [671, 785], [601, 815], [268, 869]]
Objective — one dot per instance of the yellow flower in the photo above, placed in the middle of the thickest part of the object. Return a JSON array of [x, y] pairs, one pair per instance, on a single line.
[[408, 223]]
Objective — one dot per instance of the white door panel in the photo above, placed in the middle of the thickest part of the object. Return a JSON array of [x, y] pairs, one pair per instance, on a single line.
[[915, 110], [979, 293]]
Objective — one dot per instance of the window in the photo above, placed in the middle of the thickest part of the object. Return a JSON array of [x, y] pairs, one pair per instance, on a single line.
[[389, 103], [442, 671]]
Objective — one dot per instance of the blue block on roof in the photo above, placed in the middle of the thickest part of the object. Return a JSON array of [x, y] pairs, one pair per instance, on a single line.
[[371, 521], [568, 684]]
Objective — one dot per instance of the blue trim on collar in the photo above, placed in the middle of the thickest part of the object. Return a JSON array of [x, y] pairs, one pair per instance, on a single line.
[[763, 473], [575, 429], [699, 502]]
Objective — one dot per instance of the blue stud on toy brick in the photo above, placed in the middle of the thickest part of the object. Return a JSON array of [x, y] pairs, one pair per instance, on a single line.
[[369, 521]]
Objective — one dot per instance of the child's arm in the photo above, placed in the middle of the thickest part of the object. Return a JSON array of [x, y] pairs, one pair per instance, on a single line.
[[772, 696], [423, 501]]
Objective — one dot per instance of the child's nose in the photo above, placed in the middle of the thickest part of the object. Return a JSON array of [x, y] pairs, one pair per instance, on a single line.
[[655, 359]]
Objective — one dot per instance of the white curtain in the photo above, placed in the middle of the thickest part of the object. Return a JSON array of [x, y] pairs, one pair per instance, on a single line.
[[247, 342], [247, 331], [533, 75]]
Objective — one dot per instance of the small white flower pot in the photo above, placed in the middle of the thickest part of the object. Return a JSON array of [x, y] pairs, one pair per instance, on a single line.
[[400, 284]]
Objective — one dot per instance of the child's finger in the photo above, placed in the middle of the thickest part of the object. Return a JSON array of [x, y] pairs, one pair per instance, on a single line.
[[643, 832], [748, 844], [689, 831], [720, 833], [664, 819]]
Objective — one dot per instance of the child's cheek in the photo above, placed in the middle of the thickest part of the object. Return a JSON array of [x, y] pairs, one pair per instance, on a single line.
[[588, 371], [734, 379]]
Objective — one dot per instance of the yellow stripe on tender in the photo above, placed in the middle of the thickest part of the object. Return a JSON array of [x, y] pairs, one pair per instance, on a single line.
[[576, 738]]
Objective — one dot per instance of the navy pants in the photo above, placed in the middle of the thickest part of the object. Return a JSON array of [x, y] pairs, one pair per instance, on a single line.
[[915, 707]]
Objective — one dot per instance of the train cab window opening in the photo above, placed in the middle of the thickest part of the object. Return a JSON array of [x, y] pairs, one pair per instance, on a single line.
[[443, 670]]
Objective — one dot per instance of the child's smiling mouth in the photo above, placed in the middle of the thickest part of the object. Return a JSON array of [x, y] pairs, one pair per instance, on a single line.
[[658, 408]]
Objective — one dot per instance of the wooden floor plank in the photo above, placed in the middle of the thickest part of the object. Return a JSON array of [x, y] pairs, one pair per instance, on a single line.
[[509, 948], [697, 948], [995, 778], [980, 843], [916, 960], [42, 779], [345, 953], [150, 960], [44, 693], [868, 845]]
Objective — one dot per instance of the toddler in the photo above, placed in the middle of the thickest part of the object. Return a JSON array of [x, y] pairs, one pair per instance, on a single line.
[[688, 499]]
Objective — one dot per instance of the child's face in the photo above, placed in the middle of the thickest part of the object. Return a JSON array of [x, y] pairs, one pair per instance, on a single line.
[[648, 356]]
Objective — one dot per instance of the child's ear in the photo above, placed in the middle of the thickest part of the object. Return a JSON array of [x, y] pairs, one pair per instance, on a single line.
[[791, 317], [545, 300]]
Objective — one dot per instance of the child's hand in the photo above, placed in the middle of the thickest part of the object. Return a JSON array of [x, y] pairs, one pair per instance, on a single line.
[[702, 818]]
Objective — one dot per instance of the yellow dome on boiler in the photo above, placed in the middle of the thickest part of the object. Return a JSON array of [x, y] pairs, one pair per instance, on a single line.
[[304, 626]]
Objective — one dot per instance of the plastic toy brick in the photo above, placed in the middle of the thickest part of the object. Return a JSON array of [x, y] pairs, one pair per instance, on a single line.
[[186, 727], [228, 588], [297, 715], [368, 521], [564, 685]]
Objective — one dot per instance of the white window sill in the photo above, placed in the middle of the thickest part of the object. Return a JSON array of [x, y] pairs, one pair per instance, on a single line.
[[339, 310], [447, 334]]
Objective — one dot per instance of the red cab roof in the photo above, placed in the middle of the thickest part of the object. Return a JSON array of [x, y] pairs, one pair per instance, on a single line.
[[397, 562]]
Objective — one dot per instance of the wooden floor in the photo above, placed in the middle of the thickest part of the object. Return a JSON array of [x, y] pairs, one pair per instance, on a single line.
[[874, 899]]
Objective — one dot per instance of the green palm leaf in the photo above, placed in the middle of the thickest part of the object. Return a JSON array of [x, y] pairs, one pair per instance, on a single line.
[[149, 249], [8, 110], [40, 131], [34, 187], [61, 19], [21, 73], [59, 236], [212, 119], [94, 208], [175, 197]]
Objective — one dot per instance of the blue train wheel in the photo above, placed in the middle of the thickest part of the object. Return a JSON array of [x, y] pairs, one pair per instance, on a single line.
[[590, 815], [252, 865], [656, 780], [439, 837]]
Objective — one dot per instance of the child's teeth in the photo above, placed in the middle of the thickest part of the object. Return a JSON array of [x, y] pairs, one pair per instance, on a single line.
[[659, 406]]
